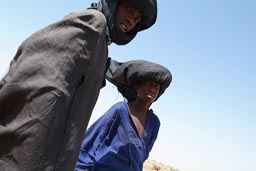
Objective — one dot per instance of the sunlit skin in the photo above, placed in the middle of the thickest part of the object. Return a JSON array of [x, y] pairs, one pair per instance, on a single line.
[[147, 92], [127, 16]]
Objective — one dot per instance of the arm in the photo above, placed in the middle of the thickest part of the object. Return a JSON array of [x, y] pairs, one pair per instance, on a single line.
[[98, 133], [154, 133], [55, 58]]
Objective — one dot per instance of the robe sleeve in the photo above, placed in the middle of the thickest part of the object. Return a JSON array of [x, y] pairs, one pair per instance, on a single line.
[[99, 132], [154, 133]]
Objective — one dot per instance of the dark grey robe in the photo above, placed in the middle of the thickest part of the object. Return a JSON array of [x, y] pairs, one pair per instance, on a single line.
[[47, 97]]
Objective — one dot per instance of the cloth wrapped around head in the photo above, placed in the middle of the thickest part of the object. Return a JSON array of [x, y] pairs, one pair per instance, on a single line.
[[148, 9], [125, 75]]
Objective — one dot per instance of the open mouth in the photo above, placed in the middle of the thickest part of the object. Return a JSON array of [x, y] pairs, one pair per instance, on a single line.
[[123, 27], [151, 95]]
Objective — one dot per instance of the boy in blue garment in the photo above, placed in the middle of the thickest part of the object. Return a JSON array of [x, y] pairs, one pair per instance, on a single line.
[[122, 138]]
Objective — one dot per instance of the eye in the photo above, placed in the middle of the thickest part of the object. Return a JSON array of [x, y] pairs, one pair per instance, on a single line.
[[129, 9], [137, 19], [157, 86], [146, 83]]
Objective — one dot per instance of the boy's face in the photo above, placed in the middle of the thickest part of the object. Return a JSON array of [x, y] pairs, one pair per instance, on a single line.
[[127, 16], [147, 90]]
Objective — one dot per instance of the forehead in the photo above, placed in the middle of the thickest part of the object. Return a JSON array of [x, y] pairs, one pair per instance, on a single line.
[[148, 82], [126, 4]]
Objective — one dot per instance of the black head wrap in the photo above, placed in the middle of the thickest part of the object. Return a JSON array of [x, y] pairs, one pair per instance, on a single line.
[[148, 9], [126, 74]]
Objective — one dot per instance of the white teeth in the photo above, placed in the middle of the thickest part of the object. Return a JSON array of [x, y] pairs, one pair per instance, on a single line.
[[150, 95], [123, 26]]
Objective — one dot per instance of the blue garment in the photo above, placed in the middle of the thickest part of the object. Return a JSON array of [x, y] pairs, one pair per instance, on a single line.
[[112, 143]]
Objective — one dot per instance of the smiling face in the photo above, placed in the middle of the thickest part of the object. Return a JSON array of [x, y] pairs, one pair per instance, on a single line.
[[127, 16], [147, 91]]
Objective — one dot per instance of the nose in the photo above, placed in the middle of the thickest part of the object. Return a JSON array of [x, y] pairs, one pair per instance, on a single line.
[[131, 22], [133, 18], [154, 87]]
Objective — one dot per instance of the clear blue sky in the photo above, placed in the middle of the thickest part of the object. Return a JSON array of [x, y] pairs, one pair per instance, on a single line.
[[208, 114]]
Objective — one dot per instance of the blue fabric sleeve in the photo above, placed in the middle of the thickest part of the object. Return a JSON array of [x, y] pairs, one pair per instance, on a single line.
[[96, 134], [154, 134]]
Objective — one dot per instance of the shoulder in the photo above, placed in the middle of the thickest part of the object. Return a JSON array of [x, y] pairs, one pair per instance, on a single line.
[[111, 115], [90, 22], [120, 106], [92, 16], [119, 109], [154, 118]]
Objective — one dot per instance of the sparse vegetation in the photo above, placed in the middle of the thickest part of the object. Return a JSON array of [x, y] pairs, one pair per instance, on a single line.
[[157, 166]]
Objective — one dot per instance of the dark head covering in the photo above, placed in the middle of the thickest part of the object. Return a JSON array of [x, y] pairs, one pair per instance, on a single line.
[[148, 9], [126, 74]]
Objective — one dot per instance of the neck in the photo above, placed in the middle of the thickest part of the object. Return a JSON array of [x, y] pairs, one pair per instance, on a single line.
[[138, 108], [139, 115]]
